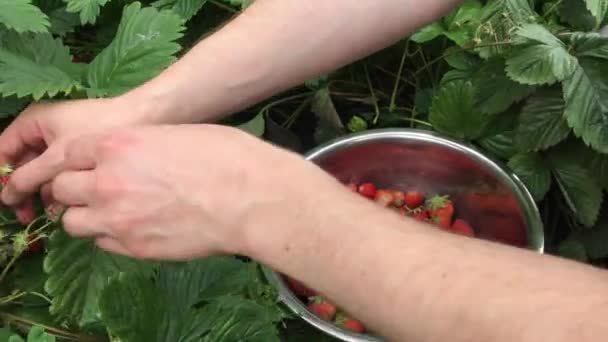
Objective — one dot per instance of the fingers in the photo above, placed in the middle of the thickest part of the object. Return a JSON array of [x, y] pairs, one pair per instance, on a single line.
[[28, 178], [74, 188], [83, 222], [81, 153]]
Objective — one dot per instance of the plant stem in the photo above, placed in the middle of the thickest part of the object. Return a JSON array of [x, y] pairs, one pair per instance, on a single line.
[[398, 78], [50, 330], [293, 117], [223, 6], [371, 89], [552, 9]]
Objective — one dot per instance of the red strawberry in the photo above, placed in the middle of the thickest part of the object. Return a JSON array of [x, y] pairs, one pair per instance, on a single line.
[[354, 325], [299, 288], [384, 197], [414, 199], [322, 308], [398, 198], [353, 187], [442, 210], [462, 227], [346, 322], [368, 190], [3, 181], [36, 246], [421, 215]]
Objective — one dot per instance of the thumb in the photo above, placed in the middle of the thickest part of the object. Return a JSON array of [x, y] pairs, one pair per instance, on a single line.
[[27, 179]]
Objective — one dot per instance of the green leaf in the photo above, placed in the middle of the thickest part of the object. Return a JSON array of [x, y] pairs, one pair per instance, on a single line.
[[533, 171], [11, 106], [461, 60], [499, 20], [573, 249], [37, 334], [541, 122], [596, 241], [581, 192], [575, 13], [545, 62], [590, 44], [22, 16], [36, 65], [188, 8], [468, 11], [586, 95], [255, 126], [89, 9], [323, 106], [500, 145], [127, 305], [428, 33], [143, 47], [598, 9], [497, 92], [454, 111], [78, 271]]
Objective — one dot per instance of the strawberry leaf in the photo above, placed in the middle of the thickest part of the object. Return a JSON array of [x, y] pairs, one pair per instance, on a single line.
[[544, 62], [590, 45], [586, 95], [22, 16], [454, 111], [575, 13], [78, 271], [36, 65], [499, 19], [144, 46], [185, 8], [88, 9], [598, 8], [497, 92], [428, 33], [11, 106], [541, 122], [580, 190], [176, 289], [533, 171]]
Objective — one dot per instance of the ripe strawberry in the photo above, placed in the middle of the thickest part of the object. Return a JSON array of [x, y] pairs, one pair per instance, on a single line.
[[354, 325], [421, 215], [36, 246], [442, 210], [299, 288], [398, 198], [322, 308], [414, 199], [3, 181], [384, 197], [348, 323], [368, 190], [462, 227]]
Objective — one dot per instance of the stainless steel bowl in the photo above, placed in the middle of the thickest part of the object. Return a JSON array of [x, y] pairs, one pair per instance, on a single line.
[[485, 192]]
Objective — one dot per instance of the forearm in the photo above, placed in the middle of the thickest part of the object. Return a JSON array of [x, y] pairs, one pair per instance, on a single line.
[[275, 45], [416, 283]]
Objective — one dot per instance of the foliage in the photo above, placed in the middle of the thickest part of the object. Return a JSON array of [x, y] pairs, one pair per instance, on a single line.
[[522, 80]]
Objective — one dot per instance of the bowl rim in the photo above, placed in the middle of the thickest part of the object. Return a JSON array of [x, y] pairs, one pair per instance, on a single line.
[[536, 240]]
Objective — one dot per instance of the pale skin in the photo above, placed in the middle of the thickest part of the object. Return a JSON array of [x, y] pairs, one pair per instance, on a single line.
[[124, 185]]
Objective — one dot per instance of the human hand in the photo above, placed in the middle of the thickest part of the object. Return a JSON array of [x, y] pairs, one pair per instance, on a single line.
[[176, 192], [35, 142]]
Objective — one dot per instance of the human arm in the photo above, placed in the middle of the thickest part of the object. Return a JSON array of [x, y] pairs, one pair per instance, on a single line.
[[274, 45], [407, 281]]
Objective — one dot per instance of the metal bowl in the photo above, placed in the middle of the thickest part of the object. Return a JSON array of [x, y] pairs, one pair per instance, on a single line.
[[485, 192]]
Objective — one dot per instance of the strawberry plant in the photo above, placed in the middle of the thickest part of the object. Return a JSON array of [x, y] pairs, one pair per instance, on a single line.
[[523, 80]]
